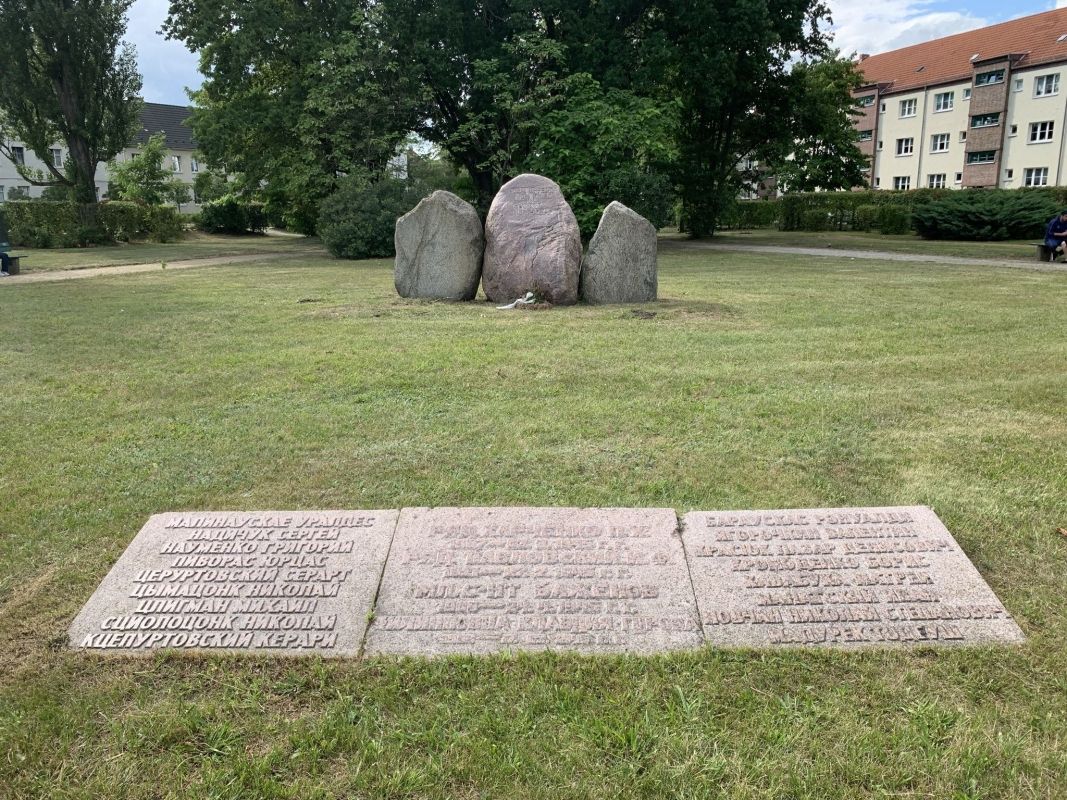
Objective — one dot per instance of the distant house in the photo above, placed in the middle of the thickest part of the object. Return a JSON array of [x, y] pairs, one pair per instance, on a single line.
[[977, 109], [155, 118]]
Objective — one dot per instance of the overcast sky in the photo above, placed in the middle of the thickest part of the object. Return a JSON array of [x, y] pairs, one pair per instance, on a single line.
[[863, 26]]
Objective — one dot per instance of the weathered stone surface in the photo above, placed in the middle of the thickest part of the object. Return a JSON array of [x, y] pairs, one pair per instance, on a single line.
[[439, 248], [532, 243], [620, 266], [285, 582], [478, 580], [842, 577]]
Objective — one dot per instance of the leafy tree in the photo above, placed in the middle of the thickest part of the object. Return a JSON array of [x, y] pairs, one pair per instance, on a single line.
[[607, 145], [67, 77], [145, 179], [209, 185], [728, 61], [823, 152]]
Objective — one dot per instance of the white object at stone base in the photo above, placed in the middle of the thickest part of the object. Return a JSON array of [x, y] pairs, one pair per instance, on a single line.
[[527, 300]]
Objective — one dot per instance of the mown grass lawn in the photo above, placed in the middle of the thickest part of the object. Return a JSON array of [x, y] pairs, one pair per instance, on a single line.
[[193, 245], [1015, 250], [759, 383]]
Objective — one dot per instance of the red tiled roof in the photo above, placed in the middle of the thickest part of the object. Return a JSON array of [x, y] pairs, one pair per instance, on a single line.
[[950, 59]]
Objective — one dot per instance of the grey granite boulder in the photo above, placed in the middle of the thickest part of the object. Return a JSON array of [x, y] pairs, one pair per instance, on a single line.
[[621, 264], [439, 248], [532, 243]]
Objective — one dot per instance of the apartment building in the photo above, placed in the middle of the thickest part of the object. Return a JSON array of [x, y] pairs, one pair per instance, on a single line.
[[156, 118], [986, 108]]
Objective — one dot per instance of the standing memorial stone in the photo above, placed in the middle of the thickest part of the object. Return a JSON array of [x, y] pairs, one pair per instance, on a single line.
[[479, 580], [620, 266], [845, 577], [532, 243], [287, 582], [439, 249]]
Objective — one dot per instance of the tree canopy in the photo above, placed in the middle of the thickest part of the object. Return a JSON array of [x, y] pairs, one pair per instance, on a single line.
[[614, 99], [67, 77]]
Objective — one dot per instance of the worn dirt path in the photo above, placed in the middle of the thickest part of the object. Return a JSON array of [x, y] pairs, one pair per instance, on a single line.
[[873, 255], [128, 269]]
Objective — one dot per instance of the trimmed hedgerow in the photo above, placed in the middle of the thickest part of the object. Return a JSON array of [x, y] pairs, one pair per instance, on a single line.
[[231, 214], [982, 215], [47, 223]]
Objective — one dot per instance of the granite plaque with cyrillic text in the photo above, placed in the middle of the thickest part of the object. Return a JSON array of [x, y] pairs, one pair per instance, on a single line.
[[284, 582], [842, 577]]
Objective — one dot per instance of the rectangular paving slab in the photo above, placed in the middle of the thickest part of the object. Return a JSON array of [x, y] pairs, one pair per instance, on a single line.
[[284, 582], [841, 577], [480, 580]]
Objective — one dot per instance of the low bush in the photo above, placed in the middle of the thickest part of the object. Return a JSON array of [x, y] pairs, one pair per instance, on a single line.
[[45, 223], [231, 214], [163, 223], [359, 220], [893, 220], [748, 214], [816, 219], [983, 215], [864, 217], [124, 221]]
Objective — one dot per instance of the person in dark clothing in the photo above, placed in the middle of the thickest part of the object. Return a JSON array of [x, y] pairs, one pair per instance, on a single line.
[[1056, 235], [5, 246]]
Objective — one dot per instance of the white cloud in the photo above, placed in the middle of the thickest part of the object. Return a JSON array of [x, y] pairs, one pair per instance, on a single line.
[[166, 66], [863, 26]]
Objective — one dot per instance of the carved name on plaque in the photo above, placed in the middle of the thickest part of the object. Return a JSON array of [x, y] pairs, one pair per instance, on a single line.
[[476, 580], [275, 581], [847, 577]]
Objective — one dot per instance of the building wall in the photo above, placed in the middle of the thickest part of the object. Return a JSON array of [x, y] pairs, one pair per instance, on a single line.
[[9, 177], [1016, 102]]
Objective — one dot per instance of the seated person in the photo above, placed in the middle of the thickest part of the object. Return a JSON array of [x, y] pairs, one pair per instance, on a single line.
[[1056, 235]]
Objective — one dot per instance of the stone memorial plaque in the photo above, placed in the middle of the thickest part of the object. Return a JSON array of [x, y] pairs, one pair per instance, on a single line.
[[478, 580], [841, 577], [284, 582]]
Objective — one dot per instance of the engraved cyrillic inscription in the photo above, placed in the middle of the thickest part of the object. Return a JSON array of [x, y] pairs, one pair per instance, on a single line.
[[279, 581], [479, 580], [838, 577]]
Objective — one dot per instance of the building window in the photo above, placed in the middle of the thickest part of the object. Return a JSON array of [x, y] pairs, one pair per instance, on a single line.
[[176, 163], [194, 165], [881, 107], [57, 157], [19, 155], [944, 101], [985, 120], [866, 136], [902, 184], [908, 107], [2, 195], [879, 144], [905, 147], [1018, 85], [967, 93], [989, 78], [982, 157], [1013, 130], [1040, 131], [1009, 174], [959, 177], [1035, 176], [939, 143], [1045, 85], [963, 136], [877, 182], [865, 101], [936, 181]]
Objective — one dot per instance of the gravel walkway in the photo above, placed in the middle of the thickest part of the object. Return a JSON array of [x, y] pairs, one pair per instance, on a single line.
[[128, 269], [876, 255]]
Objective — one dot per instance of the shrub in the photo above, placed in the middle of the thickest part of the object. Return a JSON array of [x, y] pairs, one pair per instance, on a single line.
[[359, 221], [747, 214], [163, 223], [231, 214], [43, 223], [983, 215], [893, 219], [122, 220], [815, 220], [864, 217]]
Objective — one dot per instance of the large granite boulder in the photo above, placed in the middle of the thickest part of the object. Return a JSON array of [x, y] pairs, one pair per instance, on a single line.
[[532, 243], [621, 264], [439, 248]]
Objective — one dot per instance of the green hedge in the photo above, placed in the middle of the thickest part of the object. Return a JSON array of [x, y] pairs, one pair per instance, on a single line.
[[987, 215], [45, 223], [231, 214], [747, 214], [359, 221]]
